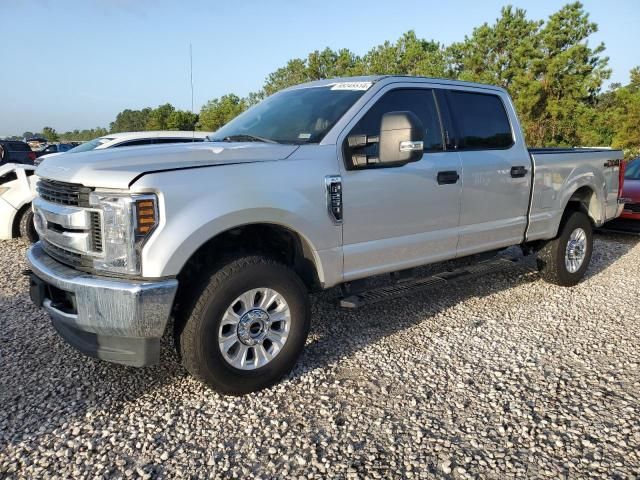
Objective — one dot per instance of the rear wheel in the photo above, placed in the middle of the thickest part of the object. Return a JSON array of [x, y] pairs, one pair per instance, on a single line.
[[26, 227], [248, 326], [564, 260]]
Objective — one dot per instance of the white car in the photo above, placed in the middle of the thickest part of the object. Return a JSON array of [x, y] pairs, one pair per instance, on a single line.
[[16, 186], [17, 183], [133, 139]]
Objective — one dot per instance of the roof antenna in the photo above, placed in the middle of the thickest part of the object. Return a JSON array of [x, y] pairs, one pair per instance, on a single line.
[[191, 76]]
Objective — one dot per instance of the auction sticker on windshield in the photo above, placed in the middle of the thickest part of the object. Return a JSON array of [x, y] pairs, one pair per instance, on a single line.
[[352, 86]]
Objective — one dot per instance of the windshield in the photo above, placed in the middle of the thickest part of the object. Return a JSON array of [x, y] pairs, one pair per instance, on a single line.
[[91, 145], [632, 171], [304, 115]]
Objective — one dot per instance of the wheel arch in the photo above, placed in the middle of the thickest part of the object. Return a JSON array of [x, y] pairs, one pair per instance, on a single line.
[[585, 199], [270, 239]]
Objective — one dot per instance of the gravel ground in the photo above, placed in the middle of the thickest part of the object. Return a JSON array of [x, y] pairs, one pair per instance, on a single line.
[[502, 377]]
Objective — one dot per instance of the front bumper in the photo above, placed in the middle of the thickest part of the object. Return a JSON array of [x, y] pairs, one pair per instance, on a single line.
[[113, 319], [628, 214]]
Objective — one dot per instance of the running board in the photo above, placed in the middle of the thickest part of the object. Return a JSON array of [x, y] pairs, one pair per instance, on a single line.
[[401, 289]]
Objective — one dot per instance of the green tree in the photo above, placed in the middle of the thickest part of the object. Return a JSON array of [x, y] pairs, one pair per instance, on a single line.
[[500, 54], [409, 55], [50, 134], [159, 117], [27, 134], [215, 113], [625, 116], [549, 69], [318, 65], [182, 120], [130, 121], [83, 135], [570, 75]]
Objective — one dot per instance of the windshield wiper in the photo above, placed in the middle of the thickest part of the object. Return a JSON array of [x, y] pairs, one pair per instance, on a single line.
[[245, 137]]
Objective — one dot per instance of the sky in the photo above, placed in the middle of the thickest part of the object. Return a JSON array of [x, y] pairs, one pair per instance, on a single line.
[[76, 64]]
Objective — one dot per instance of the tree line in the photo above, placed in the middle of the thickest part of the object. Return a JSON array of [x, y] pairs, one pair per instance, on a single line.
[[553, 74]]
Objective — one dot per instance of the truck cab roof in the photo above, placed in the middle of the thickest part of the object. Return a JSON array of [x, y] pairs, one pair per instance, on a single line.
[[376, 79]]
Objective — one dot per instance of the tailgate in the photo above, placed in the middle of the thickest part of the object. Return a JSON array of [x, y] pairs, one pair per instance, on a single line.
[[613, 175]]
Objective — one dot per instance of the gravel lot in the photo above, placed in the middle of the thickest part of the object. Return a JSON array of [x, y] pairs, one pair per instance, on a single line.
[[502, 377]]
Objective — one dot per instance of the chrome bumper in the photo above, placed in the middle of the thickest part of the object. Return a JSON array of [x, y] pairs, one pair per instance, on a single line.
[[112, 319]]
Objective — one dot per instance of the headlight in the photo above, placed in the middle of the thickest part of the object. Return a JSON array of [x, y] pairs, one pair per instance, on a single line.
[[127, 221]]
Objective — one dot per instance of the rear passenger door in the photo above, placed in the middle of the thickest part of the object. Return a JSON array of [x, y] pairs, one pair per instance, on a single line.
[[496, 172]]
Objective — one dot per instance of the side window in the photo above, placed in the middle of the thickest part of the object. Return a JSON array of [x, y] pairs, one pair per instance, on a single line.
[[481, 121], [135, 143], [419, 101]]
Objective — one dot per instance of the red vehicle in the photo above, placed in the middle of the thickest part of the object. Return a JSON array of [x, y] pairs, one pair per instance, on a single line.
[[631, 191], [629, 220]]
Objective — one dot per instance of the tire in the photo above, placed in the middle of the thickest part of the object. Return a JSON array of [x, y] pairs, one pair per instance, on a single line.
[[26, 227], [553, 257], [206, 324]]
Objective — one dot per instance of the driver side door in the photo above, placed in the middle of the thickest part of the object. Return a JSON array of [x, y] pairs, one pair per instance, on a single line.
[[402, 216]]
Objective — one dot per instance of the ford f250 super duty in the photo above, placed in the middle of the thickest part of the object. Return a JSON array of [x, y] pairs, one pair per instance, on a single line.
[[322, 184]]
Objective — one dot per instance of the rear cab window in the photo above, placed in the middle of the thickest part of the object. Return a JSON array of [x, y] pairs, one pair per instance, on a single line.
[[480, 119]]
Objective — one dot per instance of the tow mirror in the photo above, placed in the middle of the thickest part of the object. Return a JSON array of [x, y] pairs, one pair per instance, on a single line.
[[401, 141], [401, 138]]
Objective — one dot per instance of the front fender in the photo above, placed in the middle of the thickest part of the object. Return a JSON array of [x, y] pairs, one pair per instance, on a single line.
[[197, 205], [175, 248]]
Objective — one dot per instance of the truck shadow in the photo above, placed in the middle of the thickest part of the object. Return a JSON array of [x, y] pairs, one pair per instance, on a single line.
[[330, 341]]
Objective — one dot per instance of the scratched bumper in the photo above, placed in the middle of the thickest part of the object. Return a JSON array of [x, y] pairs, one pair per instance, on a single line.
[[113, 319]]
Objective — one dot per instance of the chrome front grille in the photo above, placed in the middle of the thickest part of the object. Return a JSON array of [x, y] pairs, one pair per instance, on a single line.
[[62, 193], [65, 256], [70, 230]]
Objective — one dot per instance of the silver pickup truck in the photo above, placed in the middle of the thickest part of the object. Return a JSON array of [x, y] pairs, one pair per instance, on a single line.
[[323, 184]]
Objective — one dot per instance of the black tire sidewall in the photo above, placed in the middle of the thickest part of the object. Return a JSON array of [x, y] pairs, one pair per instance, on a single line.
[[276, 277], [574, 221], [27, 228]]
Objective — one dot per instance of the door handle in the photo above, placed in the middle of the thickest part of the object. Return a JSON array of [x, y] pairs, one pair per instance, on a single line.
[[448, 177], [518, 172]]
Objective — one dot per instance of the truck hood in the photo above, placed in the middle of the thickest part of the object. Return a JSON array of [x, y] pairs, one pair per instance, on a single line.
[[119, 167]]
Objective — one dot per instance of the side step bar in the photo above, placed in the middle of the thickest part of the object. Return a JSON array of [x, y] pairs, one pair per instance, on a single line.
[[401, 289]]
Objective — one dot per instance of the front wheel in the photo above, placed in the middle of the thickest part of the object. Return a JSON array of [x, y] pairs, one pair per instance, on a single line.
[[564, 260], [248, 326]]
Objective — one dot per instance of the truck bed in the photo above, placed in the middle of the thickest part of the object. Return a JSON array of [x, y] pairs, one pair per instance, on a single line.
[[563, 174]]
